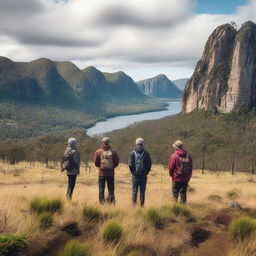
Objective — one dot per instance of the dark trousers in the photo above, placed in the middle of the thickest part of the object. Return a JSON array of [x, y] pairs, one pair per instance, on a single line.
[[139, 183], [180, 187], [111, 189], [71, 185]]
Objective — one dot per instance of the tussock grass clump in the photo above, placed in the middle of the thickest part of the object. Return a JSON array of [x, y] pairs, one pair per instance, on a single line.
[[11, 244], [233, 193], [153, 217], [92, 214], [45, 220], [112, 232], [242, 228], [181, 210], [41, 204], [75, 248]]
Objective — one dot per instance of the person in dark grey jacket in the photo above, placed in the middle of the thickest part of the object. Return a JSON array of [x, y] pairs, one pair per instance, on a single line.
[[140, 164], [75, 170]]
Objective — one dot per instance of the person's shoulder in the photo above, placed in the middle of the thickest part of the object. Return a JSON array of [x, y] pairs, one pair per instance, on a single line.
[[99, 150]]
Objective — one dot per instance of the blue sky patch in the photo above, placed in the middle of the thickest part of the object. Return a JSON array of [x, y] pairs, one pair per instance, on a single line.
[[218, 6]]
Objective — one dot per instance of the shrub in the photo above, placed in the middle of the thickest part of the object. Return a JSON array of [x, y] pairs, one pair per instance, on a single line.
[[45, 220], [112, 232], [152, 216], [179, 209], [92, 213], [233, 194], [41, 204], [75, 248], [242, 228], [11, 245]]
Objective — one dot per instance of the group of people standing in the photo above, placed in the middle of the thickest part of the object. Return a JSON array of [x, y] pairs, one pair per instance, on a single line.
[[106, 159]]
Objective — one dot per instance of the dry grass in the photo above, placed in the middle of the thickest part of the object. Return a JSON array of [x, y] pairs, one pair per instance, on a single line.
[[20, 184]]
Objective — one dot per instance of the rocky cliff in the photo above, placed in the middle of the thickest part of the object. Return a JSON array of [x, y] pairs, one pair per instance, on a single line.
[[159, 86], [225, 78]]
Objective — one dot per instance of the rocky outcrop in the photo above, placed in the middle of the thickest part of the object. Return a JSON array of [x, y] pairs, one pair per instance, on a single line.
[[159, 86], [225, 78]]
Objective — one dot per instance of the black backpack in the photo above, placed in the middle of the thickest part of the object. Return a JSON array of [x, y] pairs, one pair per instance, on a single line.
[[139, 163], [185, 166], [67, 162]]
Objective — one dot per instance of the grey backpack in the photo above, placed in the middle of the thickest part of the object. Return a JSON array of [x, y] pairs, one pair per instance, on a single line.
[[139, 163], [185, 167], [67, 162]]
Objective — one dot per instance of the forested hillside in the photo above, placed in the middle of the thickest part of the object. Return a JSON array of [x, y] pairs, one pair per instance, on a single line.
[[215, 141], [218, 142]]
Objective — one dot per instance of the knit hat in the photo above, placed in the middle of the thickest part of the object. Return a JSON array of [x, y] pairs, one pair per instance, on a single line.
[[178, 144], [72, 142], [139, 141], [105, 140]]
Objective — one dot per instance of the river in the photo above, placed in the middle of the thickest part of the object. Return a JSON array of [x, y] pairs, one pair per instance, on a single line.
[[119, 122]]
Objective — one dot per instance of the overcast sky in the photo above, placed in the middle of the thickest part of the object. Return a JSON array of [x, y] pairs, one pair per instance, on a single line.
[[141, 37]]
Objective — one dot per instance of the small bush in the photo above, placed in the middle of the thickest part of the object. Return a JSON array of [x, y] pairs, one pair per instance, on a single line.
[[112, 232], [11, 245], [233, 194], [153, 217], [242, 228], [45, 221], [92, 213], [41, 204], [56, 205], [75, 248], [179, 209]]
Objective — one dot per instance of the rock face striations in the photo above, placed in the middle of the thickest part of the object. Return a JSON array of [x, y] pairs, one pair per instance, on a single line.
[[159, 86], [225, 78]]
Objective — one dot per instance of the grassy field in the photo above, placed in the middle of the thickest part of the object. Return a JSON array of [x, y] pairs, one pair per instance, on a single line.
[[161, 228]]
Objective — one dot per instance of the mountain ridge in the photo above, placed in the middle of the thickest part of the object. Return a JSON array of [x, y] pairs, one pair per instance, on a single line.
[[160, 87]]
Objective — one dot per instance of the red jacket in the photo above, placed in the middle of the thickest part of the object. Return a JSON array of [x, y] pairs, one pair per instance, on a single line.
[[174, 165], [97, 156]]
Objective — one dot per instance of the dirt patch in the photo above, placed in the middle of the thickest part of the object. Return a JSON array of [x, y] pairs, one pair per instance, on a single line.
[[50, 246], [215, 198], [139, 249], [199, 235], [71, 229], [223, 218]]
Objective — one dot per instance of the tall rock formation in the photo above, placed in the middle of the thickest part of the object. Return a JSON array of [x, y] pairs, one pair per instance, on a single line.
[[159, 86], [225, 77]]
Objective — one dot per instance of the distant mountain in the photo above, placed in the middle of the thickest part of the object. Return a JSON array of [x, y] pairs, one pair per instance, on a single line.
[[44, 96], [180, 83], [160, 87], [45, 79]]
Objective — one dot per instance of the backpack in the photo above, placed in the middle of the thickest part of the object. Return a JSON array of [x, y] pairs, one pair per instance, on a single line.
[[67, 162], [185, 166], [106, 160], [139, 163]]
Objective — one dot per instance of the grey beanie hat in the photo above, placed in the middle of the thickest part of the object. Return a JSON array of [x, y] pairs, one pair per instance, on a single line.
[[139, 141], [72, 142], [105, 140]]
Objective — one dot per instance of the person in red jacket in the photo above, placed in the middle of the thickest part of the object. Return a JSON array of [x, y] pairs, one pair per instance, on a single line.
[[180, 169], [106, 160]]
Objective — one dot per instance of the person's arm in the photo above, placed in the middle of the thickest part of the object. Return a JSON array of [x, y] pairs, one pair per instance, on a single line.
[[115, 159], [76, 158], [171, 165], [149, 163], [97, 158], [191, 165], [131, 162]]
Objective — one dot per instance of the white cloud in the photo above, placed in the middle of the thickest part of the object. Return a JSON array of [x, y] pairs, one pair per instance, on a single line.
[[111, 34]]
